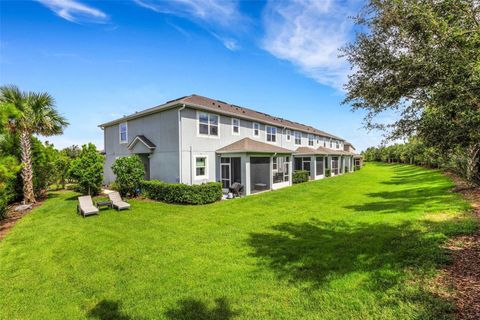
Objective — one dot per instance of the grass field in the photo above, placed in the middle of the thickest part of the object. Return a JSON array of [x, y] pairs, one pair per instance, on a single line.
[[360, 246]]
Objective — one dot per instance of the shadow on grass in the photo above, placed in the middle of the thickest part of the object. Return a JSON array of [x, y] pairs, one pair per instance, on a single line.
[[317, 253], [108, 310], [432, 192], [192, 309], [407, 200]]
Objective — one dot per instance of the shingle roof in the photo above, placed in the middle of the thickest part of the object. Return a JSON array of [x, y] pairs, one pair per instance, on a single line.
[[306, 150], [149, 144], [250, 145], [216, 105], [201, 102]]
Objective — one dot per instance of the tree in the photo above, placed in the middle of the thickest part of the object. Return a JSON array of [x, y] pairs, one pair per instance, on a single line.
[[421, 58], [37, 115], [129, 173], [8, 164], [87, 170], [62, 166]]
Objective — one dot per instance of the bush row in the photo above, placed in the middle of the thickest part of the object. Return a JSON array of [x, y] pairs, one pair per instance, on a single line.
[[181, 193], [299, 176]]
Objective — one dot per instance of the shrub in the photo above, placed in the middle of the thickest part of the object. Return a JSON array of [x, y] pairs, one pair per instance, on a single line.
[[129, 173], [299, 176], [182, 193], [328, 173], [357, 168], [87, 170], [346, 170]]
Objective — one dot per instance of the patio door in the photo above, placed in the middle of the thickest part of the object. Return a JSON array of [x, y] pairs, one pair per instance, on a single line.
[[225, 172], [335, 165], [230, 171]]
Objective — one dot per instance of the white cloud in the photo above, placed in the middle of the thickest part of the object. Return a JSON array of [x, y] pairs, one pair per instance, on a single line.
[[229, 43], [308, 33], [75, 11], [210, 11], [218, 17]]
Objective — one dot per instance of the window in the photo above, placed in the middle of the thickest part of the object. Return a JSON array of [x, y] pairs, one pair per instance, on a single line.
[[325, 142], [271, 134], [275, 163], [310, 140], [318, 139], [298, 137], [256, 129], [331, 143], [207, 124], [288, 133], [235, 126], [200, 167], [123, 132], [337, 144]]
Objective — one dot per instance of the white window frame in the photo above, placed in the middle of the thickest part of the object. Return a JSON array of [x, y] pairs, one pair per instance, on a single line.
[[288, 133], [311, 139], [233, 126], [267, 134], [205, 176], [295, 138], [120, 132], [274, 163], [331, 144], [253, 129], [198, 125], [337, 144]]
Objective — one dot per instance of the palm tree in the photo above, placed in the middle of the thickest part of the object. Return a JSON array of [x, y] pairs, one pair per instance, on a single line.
[[37, 116]]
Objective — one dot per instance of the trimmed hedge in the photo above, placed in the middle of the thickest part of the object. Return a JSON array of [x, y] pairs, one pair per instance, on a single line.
[[328, 173], [299, 176], [181, 193], [357, 168]]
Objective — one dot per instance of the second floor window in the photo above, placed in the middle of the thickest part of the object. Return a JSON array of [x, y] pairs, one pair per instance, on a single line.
[[256, 129], [235, 126], [288, 133], [337, 144], [298, 138], [271, 134], [331, 143], [123, 132], [208, 124], [310, 140]]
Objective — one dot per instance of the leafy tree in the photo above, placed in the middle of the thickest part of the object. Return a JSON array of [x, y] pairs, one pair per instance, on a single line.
[[9, 165], [37, 115], [87, 170], [72, 152], [62, 166], [422, 59], [129, 173]]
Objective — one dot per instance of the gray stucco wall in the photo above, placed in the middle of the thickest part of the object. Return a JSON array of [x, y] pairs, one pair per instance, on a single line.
[[160, 128], [194, 144]]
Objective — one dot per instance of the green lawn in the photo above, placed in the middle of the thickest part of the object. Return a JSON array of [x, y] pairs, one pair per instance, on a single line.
[[360, 246]]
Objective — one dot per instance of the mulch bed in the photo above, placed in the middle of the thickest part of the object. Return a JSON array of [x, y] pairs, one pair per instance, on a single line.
[[13, 216], [463, 275]]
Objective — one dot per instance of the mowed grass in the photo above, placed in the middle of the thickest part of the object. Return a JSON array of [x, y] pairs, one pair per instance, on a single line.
[[365, 245]]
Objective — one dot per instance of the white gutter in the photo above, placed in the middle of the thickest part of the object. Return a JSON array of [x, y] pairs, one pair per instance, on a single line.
[[180, 155]]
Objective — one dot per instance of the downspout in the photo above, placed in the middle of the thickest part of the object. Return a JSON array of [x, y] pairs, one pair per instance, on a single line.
[[180, 155]]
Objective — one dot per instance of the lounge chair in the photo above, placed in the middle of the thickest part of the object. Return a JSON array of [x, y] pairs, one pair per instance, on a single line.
[[85, 206], [117, 201]]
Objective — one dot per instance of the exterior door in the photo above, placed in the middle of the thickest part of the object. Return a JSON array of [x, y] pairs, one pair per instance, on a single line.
[[225, 173]]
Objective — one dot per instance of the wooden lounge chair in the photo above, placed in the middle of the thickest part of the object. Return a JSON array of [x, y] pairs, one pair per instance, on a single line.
[[117, 201], [85, 206]]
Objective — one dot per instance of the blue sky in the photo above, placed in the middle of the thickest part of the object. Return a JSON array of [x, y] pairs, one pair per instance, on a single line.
[[104, 59]]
